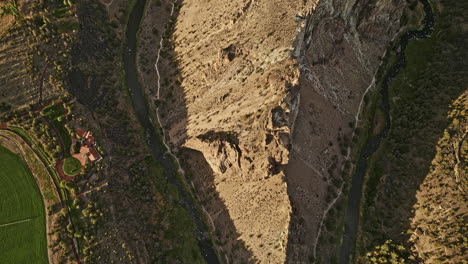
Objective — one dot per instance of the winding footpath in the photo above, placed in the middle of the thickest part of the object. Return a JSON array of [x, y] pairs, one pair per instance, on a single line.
[[373, 143]]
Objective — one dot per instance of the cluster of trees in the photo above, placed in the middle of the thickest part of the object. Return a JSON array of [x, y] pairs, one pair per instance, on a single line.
[[10, 8], [41, 133], [50, 43], [61, 242], [38, 25], [91, 216], [83, 228]]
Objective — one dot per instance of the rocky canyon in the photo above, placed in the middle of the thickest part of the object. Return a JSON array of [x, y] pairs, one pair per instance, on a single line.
[[262, 100]]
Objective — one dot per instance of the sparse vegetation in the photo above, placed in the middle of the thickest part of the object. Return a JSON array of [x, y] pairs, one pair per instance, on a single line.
[[68, 54]]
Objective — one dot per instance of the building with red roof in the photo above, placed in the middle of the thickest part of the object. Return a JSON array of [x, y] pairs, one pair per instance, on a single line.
[[87, 150], [94, 155]]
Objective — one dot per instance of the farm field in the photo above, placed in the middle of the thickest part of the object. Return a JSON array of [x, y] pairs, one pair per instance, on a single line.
[[22, 219]]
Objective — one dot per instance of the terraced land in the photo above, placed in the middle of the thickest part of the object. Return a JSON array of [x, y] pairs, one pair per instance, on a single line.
[[22, 219]]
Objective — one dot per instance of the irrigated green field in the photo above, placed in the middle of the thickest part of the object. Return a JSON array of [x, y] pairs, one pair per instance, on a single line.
[[22, 219]]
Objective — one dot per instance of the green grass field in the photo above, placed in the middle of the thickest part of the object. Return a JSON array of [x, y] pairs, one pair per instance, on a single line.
[[71, 166], [22, 219]]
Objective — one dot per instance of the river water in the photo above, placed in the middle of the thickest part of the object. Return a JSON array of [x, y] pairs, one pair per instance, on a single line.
[[372, 145], [157, 149]]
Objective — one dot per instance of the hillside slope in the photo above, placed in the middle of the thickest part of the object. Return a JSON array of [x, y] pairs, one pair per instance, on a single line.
[[239, 91], [439, 225]]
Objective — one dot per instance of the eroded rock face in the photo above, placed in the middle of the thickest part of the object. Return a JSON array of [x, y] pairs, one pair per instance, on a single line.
[[265, 87]]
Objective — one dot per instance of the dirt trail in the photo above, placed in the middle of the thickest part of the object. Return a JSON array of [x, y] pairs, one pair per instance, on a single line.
[[158, 98]]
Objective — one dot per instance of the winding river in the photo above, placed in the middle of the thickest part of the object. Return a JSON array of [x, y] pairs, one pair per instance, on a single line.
[[157, 149], [372, 145]]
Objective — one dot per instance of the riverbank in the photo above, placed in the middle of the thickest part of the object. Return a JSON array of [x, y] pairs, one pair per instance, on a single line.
[[380, 127], [369, 122], [418, 109]]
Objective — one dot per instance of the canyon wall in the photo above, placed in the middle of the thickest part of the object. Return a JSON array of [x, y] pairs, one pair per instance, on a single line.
[[257, 99], [342, 45]]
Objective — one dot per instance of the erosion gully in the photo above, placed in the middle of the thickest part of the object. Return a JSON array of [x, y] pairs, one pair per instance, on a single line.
[[157, 149], [373, 143]]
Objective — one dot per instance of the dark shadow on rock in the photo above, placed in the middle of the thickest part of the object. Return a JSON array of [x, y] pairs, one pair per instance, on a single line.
[[226, 237], [174, 116]]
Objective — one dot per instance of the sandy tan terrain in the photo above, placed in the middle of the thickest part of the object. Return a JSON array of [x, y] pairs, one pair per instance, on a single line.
[[243, 136]]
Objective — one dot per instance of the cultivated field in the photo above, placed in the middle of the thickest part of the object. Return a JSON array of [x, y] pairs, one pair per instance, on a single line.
[[22, 219]]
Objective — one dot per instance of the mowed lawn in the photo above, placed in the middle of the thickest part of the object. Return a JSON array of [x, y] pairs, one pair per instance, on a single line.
[[22, 219]]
